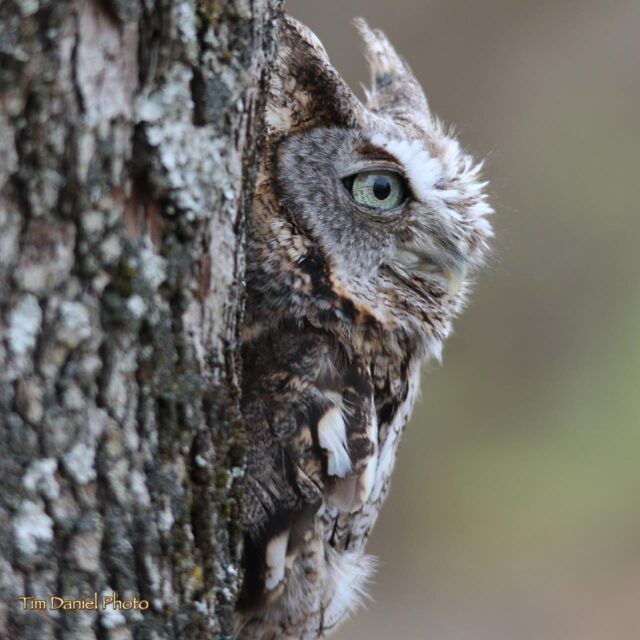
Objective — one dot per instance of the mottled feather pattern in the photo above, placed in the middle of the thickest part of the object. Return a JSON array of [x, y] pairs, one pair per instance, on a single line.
[[345, 301]]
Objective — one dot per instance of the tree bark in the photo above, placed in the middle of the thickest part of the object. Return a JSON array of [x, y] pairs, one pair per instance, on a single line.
[[128, 142]]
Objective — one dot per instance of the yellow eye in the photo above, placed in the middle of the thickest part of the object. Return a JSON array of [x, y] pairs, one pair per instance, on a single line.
[[377, 189]]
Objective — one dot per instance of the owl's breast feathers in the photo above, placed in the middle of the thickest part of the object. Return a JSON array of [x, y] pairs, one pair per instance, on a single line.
[[317, 414]]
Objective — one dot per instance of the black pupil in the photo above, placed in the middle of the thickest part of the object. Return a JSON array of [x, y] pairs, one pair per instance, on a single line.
[[381, 187]]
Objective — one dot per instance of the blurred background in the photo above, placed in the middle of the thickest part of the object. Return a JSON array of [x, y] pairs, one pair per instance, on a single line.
[[515, 508]]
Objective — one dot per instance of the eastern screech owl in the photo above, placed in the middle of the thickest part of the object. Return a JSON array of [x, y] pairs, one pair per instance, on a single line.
[[366, 222]]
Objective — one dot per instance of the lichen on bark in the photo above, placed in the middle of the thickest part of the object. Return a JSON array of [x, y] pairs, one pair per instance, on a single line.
[[128, 138]]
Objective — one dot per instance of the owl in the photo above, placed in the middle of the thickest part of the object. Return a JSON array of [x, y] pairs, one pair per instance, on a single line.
[[368, 220]]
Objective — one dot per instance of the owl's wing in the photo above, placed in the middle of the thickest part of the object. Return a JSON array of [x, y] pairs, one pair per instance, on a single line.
[[311, 423]]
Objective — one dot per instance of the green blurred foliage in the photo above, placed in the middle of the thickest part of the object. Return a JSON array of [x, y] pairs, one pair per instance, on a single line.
[[515, 509]]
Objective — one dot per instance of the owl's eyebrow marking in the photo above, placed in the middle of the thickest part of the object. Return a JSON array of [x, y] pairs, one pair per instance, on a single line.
[[373, 152]]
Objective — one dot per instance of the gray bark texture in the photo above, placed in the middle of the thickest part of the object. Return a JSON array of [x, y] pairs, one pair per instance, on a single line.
[[129, 131]]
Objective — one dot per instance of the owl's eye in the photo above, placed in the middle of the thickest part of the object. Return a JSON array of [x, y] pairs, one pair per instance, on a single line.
[[377, 189]]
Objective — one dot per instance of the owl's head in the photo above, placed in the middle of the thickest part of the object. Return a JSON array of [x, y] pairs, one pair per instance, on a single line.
[[381, 191]]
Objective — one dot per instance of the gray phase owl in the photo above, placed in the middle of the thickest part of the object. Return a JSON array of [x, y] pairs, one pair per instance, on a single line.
[[367, 221]]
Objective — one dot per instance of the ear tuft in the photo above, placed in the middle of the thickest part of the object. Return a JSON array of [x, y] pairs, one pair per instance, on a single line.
[[394, 87], [306, 91]]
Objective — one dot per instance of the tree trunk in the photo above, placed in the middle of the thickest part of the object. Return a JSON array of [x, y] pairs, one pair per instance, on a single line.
[[128, 141]]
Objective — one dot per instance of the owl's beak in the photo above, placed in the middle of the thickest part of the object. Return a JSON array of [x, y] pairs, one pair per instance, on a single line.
[[455, 276], [451, 267]]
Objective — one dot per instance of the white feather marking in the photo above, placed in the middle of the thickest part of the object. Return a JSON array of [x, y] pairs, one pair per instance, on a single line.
[[278, 117], [423, 170], [368, 476], [347, 575], [387, 455], [332, 435], [351, 493], [275, 556]]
